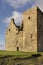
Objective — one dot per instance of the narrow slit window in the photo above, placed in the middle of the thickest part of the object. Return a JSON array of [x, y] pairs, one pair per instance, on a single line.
[[31, 36], [9, 30], [17, 31], [29, 17]]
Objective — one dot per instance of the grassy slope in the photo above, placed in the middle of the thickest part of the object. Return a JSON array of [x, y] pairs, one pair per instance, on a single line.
[[19, 53], [19, 58]]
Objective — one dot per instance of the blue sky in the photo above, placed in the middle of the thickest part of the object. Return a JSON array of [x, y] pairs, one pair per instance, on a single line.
[[8, 8]]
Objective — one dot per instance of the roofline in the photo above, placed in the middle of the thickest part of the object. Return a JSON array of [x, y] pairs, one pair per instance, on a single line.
[[31, 9]]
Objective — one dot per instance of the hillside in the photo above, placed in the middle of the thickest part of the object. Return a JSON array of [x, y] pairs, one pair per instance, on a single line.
[[21, 58]]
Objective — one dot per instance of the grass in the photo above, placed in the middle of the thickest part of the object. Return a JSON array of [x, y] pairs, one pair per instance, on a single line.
[[16, 53], [19, 54]]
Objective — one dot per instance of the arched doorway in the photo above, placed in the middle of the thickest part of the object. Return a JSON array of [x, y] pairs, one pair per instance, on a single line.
[[17, 48]]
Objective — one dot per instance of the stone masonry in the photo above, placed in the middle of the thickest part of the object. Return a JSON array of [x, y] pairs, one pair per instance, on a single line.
[[27, 37]]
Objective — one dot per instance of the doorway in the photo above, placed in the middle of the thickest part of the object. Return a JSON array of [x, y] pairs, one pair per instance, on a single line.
[[17, 48]]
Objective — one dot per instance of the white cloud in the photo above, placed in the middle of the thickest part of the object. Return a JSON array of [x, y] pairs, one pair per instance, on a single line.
[[18, 3], [40, 4], [17, 18]]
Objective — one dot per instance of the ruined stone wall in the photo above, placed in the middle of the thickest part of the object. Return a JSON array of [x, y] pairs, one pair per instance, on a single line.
[[10, 38], [29, 36], [13, 38], [30, 30], [25, 39]]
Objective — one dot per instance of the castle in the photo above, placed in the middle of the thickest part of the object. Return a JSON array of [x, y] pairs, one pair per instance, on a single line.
[[27, 37]]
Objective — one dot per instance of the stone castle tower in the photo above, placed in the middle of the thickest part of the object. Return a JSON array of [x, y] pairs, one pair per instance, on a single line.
[[29, 36]]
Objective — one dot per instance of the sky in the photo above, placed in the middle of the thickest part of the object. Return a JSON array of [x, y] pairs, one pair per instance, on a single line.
[[14, 9]]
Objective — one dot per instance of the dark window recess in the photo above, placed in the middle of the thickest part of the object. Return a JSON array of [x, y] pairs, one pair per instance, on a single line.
[[29, 17], [9, 30], [31, 36], [17, 31]]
